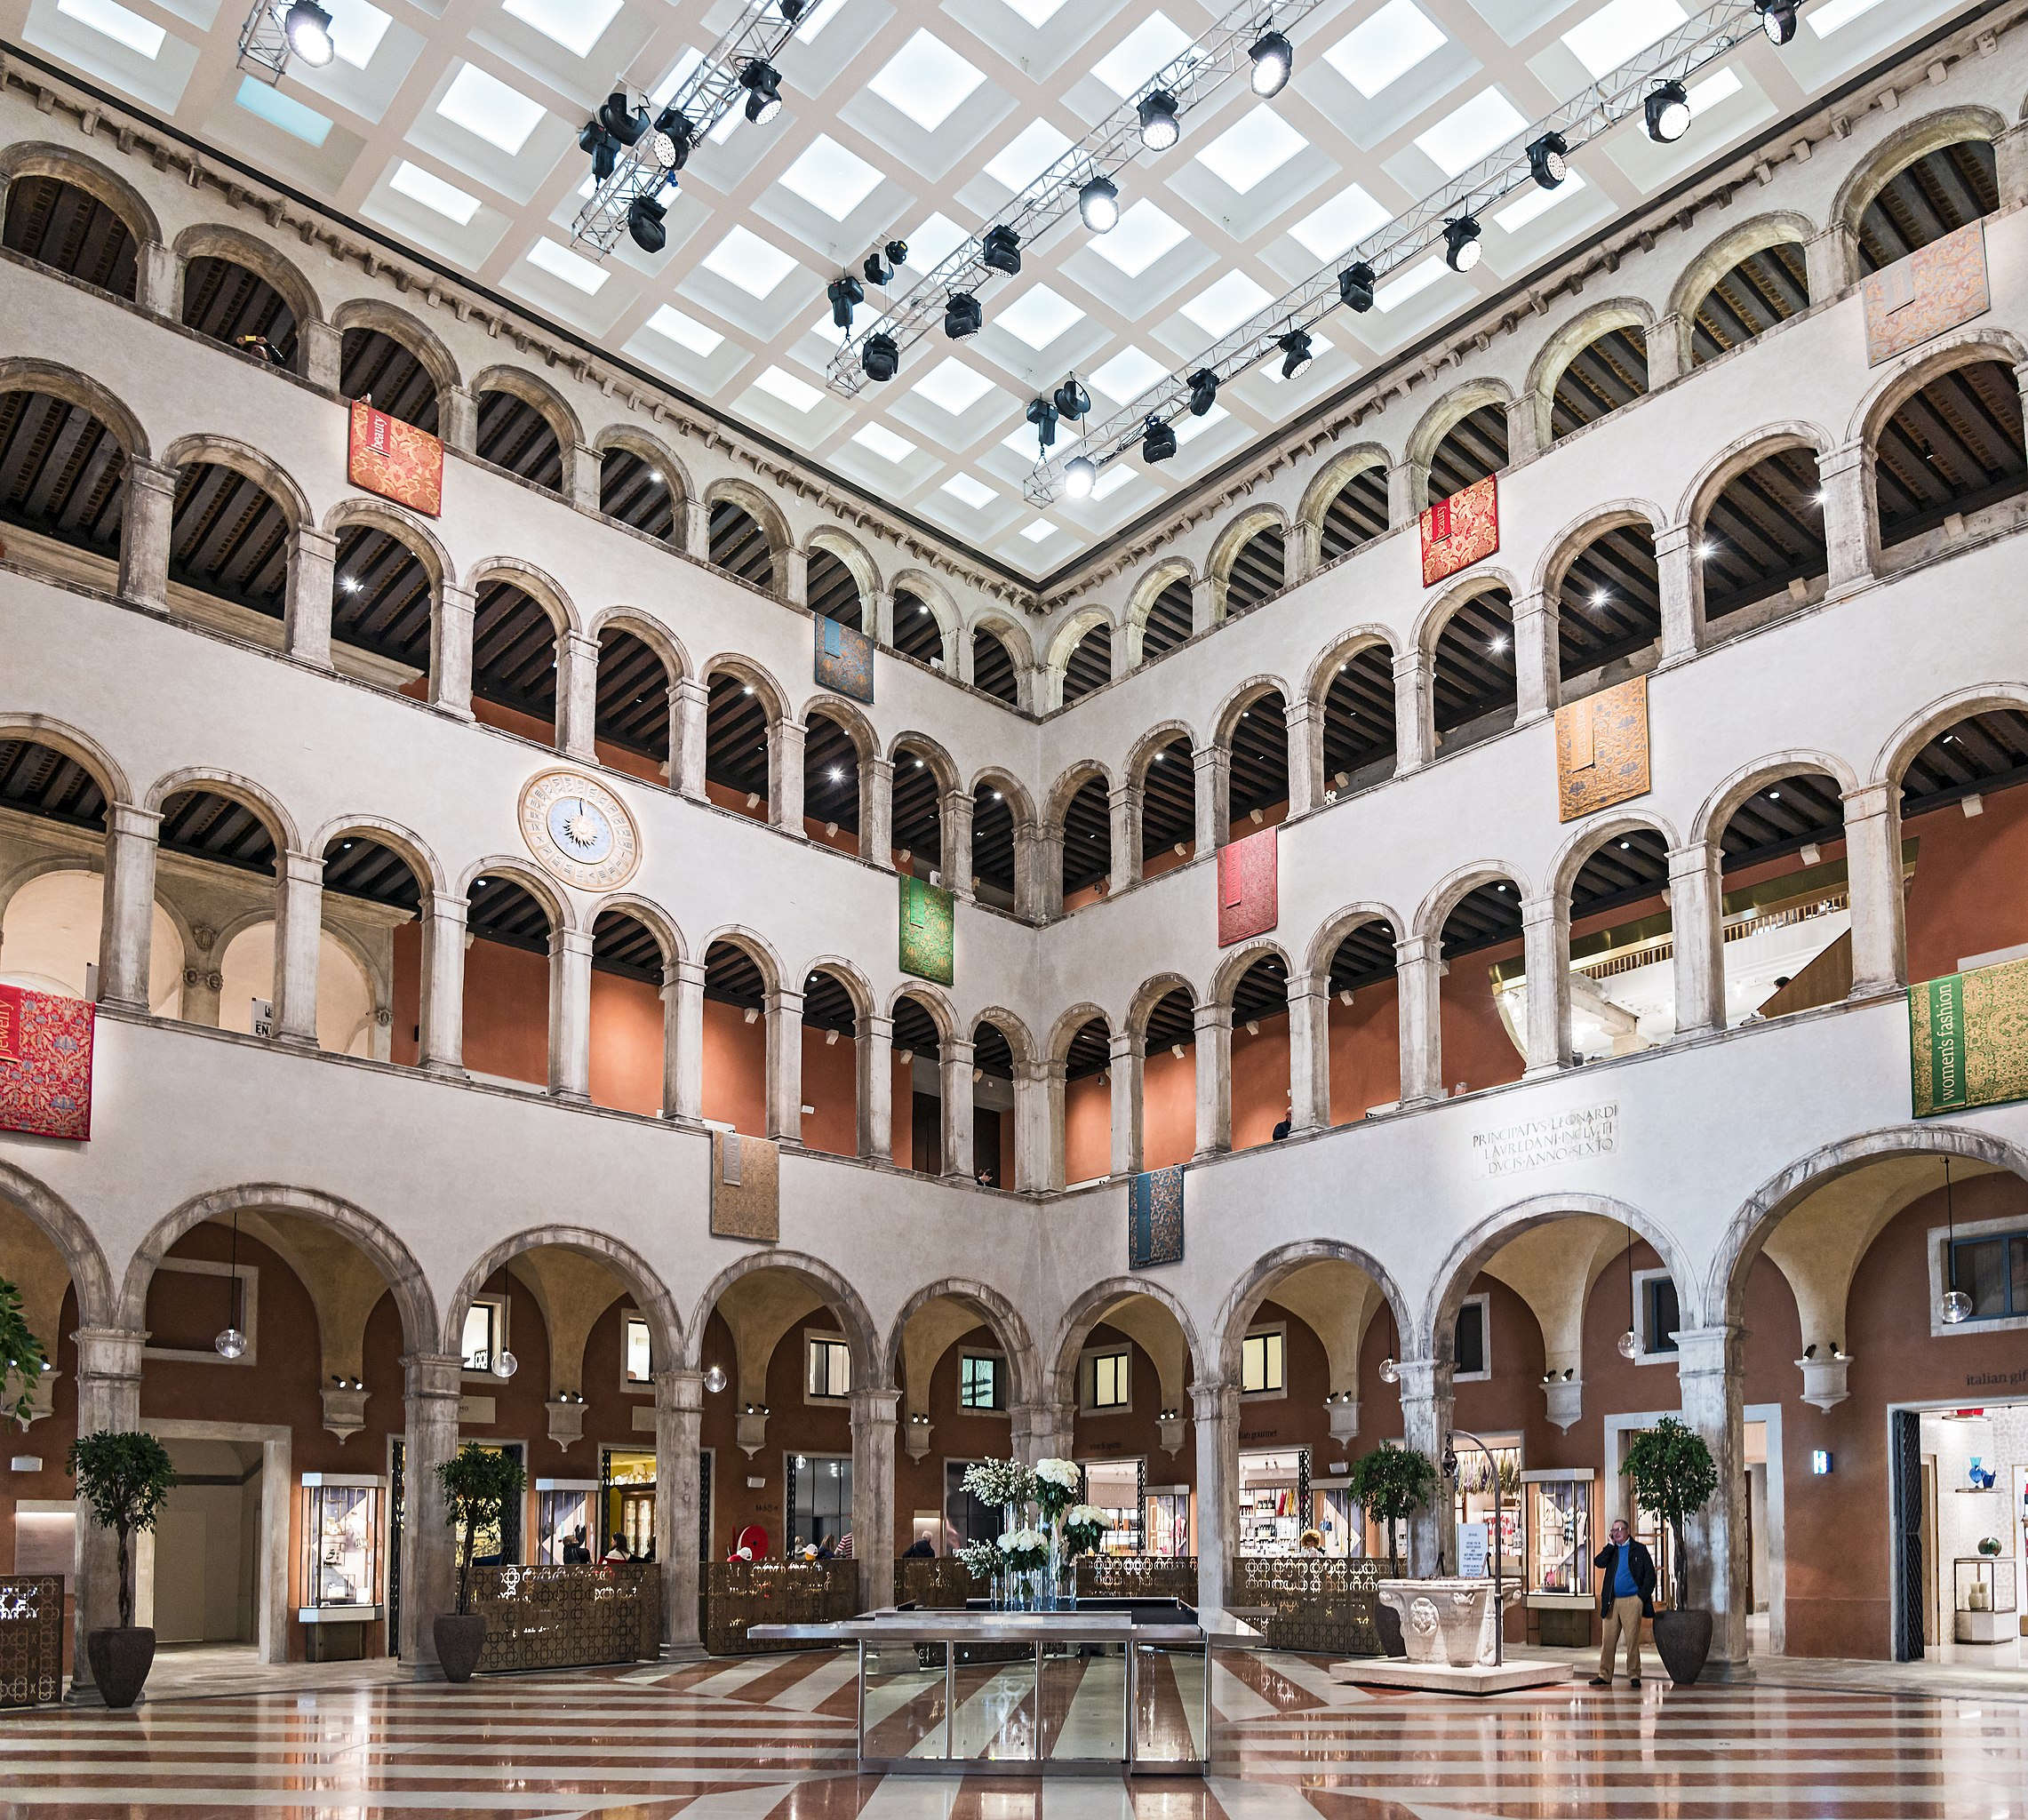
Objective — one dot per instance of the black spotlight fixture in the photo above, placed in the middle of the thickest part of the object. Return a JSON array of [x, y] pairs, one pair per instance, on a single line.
[[880, 357], [1296, 354], [878, 270], [1273, 56], [306, 26], [1355, 287], [676, 123], [846, 294], [604, 147], [962, 315], [1203, 391], [1777, 19], [1071, 399], [625, 123], [1159, 443], [645, 223], [1668, 112], [792, 11], [1001, 249], [1549, 160], [763, 85], [1461, 247], [1160, 127], [1098, 202], [1080, 475], [1043, 414]]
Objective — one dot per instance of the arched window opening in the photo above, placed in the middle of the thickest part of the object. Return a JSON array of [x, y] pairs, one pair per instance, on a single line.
[[203, 825], [1763, 536], [241, 308], [506, 982], [735, 1040], [830, 1065], [916, 632], [832, 589], [1359, 721], [739, 547], [1952, 449], [35, 781], [1089, 665], [1086, 843], [228, 537], [1610, 373], [831, 783], [628, 1016], [62, 473], [736, 746], [631, 708], [992, 846], [1256, 570], [1260, 1052], [513, 662], [59, 226], [514, 435], [1365, 1028], [1258, 788], [918, 1089], [1168, 808], [1475, 447], [1479, 1047], [1169, 620], [1471, 672], [236, 883], [1622, 975], [1609, 610], [1787, 914], [371, 364], [1356, 515], [1764, 289], [380, 603], [993, 666], [917, 817], [1961, 802], [373, 895], [633, 492], [1088, 1104], [1941, 192], [1169, 1083], [993, 1105]]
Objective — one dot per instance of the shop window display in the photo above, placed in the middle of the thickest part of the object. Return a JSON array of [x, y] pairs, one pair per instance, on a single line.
[[341, 1562], [1168, 1510], [1559, 1553], [1274, 1501], [562, 1507], [627, 1503]]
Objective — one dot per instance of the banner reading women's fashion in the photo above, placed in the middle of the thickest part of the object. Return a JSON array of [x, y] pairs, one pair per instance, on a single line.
[[1968, 1039], [45, 1063]]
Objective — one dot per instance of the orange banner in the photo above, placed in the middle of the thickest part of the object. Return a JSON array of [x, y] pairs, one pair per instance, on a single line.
[[395, 460]]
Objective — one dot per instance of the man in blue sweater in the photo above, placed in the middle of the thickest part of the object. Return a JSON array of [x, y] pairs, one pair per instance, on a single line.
[[1626, 1595]]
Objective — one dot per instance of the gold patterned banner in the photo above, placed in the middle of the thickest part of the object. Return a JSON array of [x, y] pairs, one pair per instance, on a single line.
[[1935, 287], [746, 1187], [1601, 749], [395, 460], [1968, 1039], [1461, 530]]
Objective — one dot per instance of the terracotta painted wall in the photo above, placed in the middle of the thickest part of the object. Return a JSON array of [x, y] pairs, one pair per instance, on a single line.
[[506, 1012], [736, 1067], [1087, 1128], [1169, 1106], [1260, 1080], [625, 1043], [956, 1433], [1366, 1051], [1966, 898], [1476, 1047]]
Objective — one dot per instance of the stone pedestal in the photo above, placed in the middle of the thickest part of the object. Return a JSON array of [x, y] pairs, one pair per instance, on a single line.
[[1449, 1628]]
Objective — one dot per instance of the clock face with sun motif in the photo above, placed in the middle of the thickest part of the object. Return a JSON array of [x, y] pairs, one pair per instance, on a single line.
[[578, 830]]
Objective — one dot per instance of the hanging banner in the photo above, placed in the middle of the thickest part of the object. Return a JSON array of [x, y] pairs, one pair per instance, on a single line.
[[1601, 749], [746, 1187], [1154, 1218], [1968, 1039], [45, 1063], [1461, 530], [1937, 287], [844, 659], [395, 460], [1247, 886], [929, 932]]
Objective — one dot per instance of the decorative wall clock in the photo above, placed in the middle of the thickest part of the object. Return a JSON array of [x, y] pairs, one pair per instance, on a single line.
[[578, 830]]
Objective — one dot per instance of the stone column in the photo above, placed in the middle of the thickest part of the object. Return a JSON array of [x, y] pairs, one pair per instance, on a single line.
[[794, 573], [1123, 653], [1872, 867], [298, 926], [431, 1387], [145, 519], [1712, 1385], [1035, 1146], [679, 1506], [1305, 747], [323, 349], [1524, 429], [1309, 1052], [784, 1066], [672, 997], [457, 415], [1696, 896], [1051, 1077], [1048, 869], [158, 281], [577, 696], [1402, 490], [1415, 720], [876, 812], [1546, 934], [954, 837], [1829, 263], [1668, 352], [109, 1401], [1676, 563], [1419, 973], [873, 1062], [1214, 1026], [1216, 1408], [1203, 604], [306, 612], [2010, 158], [697, 530], [1538, 663], [687, 1088], [1042, 1430], [879, 617], [1848, 516], [571, 1015], [688, 703], [1127, 1059], [442, 1045], [958, 1120], [1211, 768], [581, 470], [1031, 873], [1426, 1405], [1300, 557], [873, 1493], [1125, 807], [785, 777], [126, 923], [451, 651]]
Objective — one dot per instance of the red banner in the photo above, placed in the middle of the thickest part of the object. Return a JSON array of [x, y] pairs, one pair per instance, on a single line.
[[45, 1063], [1247, 894], [1461, 530], [395, 460]]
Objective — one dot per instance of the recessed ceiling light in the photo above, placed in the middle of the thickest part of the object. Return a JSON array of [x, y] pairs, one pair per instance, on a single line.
[[746, 260], [424, 186], [1341, 224], [1144, 234], [798, 395], [1246, 154], [1128, 374], [882, 442], [488, 108], [1373, 56], [1619, 30], [109, 19], [969, 490], [830, 177], [577, 25], [1028, 154], [1155, 44], [952, 386], [926, 80], [561, 262], [1038, 316], [1222, 307], [685, 331], [1466, 134]]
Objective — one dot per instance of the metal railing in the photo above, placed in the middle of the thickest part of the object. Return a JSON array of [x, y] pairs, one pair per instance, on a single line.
[[31, 1640], [568, 1616], [735, 1595]]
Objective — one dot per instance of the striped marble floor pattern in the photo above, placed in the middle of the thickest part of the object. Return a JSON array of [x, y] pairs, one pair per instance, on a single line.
[[770, 1738]]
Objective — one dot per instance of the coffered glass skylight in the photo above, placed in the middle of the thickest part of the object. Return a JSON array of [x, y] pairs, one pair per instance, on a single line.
[[425, 187], [1038, 530], [1030, 153], [1341, 224], [686, 331], [926, 80], [1256, 148], [559, 263], [1535, 203], [486, 107], [284, 111], [1144, 234], [1225, 305], [969, 490], [1038, 316], [831, 178], [1127, 375], [1156, 41], [1412, 282], [744, 258], [1037, 12], [357, 29], [577, 25], [1828, 16], [1373, 56], [1619, 30], [952, 386], [112, 20], [798, 395], [1466, 134], [882, 442], [933, 243]]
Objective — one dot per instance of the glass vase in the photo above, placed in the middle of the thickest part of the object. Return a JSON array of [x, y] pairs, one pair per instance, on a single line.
[[1059, 1577]]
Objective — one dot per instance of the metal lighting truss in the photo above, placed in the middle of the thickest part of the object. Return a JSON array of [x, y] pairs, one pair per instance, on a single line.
[[263, 44], [1592, 113], [704, 98], [1193, 76]]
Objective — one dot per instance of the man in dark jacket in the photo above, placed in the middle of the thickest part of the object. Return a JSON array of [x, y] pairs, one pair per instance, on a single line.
[[1626, 1595]]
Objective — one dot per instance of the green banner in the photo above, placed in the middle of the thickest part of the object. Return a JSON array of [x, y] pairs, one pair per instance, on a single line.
[[1968, 1039], [929, 932]]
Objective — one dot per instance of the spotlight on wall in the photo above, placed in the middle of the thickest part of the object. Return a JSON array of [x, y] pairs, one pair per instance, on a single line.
[[1777, 19], [1668, 111], [645, 223], [1549, 160], [1273, 56], [1160, 127], [1203, 391], [1355, 287], [1001, 249], [1296, 354], [962, 315], [880, 357], [1461, 247], [846, 294], [1158, 444], [763, 85], [306, 26], [1099, 204], [1080, 475]]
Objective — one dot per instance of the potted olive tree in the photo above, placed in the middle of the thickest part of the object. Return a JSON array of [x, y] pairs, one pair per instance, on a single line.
[[1672, 1476], [26, 1358], [124, 1478], [1391, 1484], [477, 1483]]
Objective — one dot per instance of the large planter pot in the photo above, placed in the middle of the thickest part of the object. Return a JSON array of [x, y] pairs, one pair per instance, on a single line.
[[1682, 1640], [458, 1640], [120, 1659]]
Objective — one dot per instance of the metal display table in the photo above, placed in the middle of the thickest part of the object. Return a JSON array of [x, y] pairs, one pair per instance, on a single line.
[[1064, 1693]]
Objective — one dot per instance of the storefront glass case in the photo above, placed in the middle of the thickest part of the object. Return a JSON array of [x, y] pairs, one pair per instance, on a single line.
[[342, 1515], [564, 1507], [1274, 1501], [1473, 1499], [1559, 1534], [1340, 1520], [1168, 1520]]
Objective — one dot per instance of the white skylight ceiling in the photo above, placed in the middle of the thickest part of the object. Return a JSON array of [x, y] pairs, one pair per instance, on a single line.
[[456, 127]]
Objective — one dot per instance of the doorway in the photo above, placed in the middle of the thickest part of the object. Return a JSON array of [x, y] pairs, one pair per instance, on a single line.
[[215, 1569], [1962, 1499]]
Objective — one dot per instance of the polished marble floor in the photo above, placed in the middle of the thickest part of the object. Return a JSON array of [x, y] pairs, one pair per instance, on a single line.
[[770, 1738]]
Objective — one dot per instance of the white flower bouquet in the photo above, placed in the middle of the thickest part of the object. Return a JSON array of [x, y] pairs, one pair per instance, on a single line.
[[980, 1559], [1057, 1483], [1025, 1550], [1084, 1526], [1000, 1482]]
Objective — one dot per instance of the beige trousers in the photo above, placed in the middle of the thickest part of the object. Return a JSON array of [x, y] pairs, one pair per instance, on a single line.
[[1622, 1618]]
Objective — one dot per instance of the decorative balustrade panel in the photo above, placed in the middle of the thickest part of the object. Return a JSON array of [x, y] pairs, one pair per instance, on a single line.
[[568, 1616], [1139, 1576], [740, 1593], [1311, 1602], [31, 1640], [942, 1584]]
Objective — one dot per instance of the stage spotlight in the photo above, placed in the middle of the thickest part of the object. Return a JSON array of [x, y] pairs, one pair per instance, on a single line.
[[1461, 248], [1043, 414], [880, 357], [307, 29], [1668, 111], [1203, 391], [625, 123], [604, 147], [1160, 127], [1001, 249], [1777, 19], [1355, 287], [672, 121], [645, 223], [1071, 399], [791, 10], [763, 87], [846, 294], [1159, 444], [877, 269], [1080, 474], [1295, 355], [1098, 202], [1549, 160], [962, 315], [1271, 57]]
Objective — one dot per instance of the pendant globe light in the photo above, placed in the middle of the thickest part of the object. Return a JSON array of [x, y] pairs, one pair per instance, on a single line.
[[1390, 1371], [504, 1363], [231, 1342], [1629, 1341], [1957, 1305], [714, 1378]]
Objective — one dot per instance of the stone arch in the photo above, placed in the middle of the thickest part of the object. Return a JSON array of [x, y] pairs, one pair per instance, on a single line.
[[1063, 1031], [656, 453], [556, 905], [270, 476], [774, 704], [1000, 1315], [854, 554], [1741, 241], [391, 834], [1084, 1314], [1448, 892], [756, 946], [1237, 964], [539, 587], [539, 396], [1476, 580], [1565, 344], [397, 324], [1148, 588], [764, 511], [932, 593], [39, 158], [1073, 778], [1020, 647], [1333, 930], [1900, 150], [1068, 636], [652, 1295], [1938, 717], [1150, 993], [1717, 807], [651, 631], [1740, 454], [1444, 415], [1242, 698], [1237, 534], [398, 522], [1592, 836], [1022, 804], [861, 1334], [934, 1000], [23, 373], [1021, 1038], [249, 795], [58, 736], [1158, 738], [925, 747], [1332, 478], [1246, 1296], [82, 1255], [651, 917], [1569, 543], [216, 240], [404, 1275], [1347, 645], [858, 988], [850, 717], [1968, 346]]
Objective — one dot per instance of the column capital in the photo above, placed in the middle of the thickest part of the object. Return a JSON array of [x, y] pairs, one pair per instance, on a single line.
[[1672, 540], [1425, 1380], [571, 941], [318, 543], [1213, 1399], [1841, 460], [879, 1028], [131, 821], [1528, 605], [1309, 985], [436, 1375], [960, 1050], [1124, 796], [1868, 801], [689, 689], [1411, 662], [1414, 950], [302, 868], [784, 999], [1710, 1352], [1204, 758], [680, 1389], [109, 1351], [579, 644], [1689, 860], [455, 597], [1537, 910], [1211, 1017], [689, 973], [151, 476], [1126, 1045], [875, 1404]]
